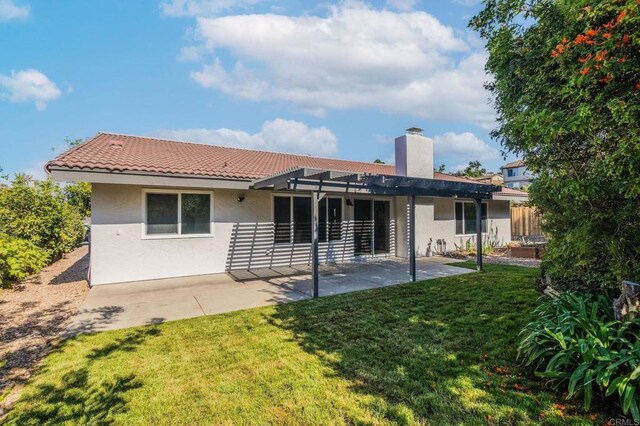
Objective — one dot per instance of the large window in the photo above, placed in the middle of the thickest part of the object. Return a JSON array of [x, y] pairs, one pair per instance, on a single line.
[[512, 172], [177, 213], [292, 219], [466, 217]]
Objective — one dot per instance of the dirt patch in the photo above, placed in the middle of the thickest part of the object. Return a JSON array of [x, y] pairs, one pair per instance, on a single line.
[[33, 315]]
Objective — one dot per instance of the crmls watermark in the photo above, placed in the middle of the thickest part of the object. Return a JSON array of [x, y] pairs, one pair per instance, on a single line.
[[623, 422]]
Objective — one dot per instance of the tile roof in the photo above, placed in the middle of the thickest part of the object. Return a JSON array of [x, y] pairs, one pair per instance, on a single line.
[[124, 153], [512, 192], [517, 163]]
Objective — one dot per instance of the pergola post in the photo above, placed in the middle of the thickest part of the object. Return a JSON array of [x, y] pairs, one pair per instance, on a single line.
[[479, 234], [315, 261], [412, 237]]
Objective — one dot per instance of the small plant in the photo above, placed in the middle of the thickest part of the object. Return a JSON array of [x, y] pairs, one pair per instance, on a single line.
[[575, 343]]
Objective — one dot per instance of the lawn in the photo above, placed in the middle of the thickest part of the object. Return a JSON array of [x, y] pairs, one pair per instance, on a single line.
[[434, 352]]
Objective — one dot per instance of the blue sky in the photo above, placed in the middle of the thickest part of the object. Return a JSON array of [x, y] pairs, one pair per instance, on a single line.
[[333, 79]]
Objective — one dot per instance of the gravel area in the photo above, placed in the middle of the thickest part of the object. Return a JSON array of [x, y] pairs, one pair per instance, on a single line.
[[32, 317], [501, 259]]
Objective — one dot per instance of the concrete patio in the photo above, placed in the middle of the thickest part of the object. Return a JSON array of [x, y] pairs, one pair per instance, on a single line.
[[116, 306]]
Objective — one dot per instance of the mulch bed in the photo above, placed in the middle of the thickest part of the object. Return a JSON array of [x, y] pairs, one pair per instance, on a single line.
[[33, 315]]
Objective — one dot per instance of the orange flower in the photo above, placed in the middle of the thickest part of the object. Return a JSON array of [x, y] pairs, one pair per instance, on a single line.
[[591, 33], [607, 79], [606, 35], [601, 55], [638, 86], [626, 39], [580, 38], [621, 16], [584, 71]]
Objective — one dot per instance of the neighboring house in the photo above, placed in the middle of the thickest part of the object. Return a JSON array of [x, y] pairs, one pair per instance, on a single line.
[[163, 209], [491, 179], [516, 175]]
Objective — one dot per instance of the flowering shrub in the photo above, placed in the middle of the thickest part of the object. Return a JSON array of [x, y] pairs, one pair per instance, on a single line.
[[566, 84]]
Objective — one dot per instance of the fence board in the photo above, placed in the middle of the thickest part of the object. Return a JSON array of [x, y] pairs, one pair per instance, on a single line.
[[525, 221]]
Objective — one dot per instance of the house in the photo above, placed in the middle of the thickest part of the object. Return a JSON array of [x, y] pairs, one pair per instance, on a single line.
[[164, 209], [491, 179], [516, 175]]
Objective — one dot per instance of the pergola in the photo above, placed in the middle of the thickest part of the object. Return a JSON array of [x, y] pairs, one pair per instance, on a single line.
[[319, 182]]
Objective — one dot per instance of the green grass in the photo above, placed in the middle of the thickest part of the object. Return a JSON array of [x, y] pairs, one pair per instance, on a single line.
[[433, 352]]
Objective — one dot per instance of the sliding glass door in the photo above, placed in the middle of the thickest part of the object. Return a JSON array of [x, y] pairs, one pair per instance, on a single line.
[[372, 221]]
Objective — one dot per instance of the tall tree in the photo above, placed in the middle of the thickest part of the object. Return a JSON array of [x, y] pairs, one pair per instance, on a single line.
[[567, 92]]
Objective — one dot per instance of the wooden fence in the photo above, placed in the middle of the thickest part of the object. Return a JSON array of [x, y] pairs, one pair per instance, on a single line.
[[525, 221]]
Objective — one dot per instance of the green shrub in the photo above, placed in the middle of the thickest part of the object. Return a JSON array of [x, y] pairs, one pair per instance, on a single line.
[[38, 211], [19, 259], [576, 344], [78, 194]]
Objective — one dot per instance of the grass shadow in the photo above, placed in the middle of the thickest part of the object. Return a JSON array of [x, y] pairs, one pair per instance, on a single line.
[[79, 395], [441, 352]]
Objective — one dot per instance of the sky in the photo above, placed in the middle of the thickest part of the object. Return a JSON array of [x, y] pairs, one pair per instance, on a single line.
[[334, 79]]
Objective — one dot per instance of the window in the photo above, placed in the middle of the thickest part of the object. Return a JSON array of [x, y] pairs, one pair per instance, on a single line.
[[292, 219], [512, 172], [181, 213], [466, 217]]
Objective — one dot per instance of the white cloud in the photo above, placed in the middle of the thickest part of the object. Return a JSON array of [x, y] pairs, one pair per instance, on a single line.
[[9, 11], [403, 5], [355, 57], [177, 8], [190, 53], [29, 85], [462, 148], [277, 135], [467, 3]]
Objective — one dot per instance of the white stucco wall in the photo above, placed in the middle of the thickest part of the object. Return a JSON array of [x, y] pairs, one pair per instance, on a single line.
[[436, 226], [242, 238], [243, 235]]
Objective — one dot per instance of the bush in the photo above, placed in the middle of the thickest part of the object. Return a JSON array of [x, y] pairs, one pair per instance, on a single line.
[[78, 194], [576, 344], [19, 259], [39, 213]]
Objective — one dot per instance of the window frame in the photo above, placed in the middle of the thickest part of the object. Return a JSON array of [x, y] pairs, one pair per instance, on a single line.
[[179, 234], [463, 218], [292, 222]]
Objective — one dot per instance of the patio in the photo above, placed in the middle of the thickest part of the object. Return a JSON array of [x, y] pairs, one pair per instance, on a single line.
[[116, 306]]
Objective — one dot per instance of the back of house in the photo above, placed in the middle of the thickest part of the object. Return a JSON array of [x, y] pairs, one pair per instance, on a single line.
[[163, 209]]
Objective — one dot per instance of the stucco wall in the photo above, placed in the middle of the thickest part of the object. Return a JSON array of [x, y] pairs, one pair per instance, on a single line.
[[436, 227], [243, 236], [242, 239]]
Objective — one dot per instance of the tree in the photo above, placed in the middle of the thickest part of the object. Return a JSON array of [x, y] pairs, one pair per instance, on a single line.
[[474, 169], [567, 93], [378, 161], [440, 168], [78, 194]]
